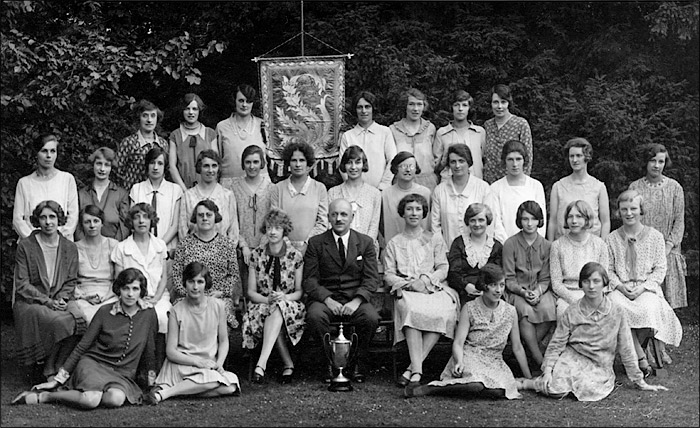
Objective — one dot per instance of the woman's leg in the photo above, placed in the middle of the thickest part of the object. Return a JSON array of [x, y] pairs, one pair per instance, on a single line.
[[84, 400], [283, 350], [187, 387], [271, 331], [528, 333], [416, 390], [536, 384], [221, 390], [414, 342], [113, 397]]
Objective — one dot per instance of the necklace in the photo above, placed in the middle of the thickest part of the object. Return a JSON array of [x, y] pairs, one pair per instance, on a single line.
[[654, 184], [94, 254], [243, 132]]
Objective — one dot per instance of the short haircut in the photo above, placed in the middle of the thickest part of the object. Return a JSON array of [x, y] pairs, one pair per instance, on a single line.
[[137, 208], [412, 92], [461, 95], [53, 206], [589, 269], [413, 197], [197, 268], [631, 195], [304, 148], [126, 277], [153, 154], [584, 209], [188, 98], [368, 96], [532, 208], [248, 92], [277, 218], [514, 146], [491, 273], [503, 91], [461, 150], [476, 208], [39, 142], [583, 144], [352, 153], [400, 158], [145, 105], [649, 151], [251, 150], [92, 210], [211, 206], [207, 154], [107, 154]]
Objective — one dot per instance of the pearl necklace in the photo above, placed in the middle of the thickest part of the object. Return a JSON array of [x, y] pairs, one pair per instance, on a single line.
[[243, 133], [94, 255]]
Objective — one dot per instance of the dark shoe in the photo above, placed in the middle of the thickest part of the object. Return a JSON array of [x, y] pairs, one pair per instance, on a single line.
[[287, 375], [403, 379], [645, 367], [153, 397], [26, 397], [358, 374], [329, 375], [258, 377]]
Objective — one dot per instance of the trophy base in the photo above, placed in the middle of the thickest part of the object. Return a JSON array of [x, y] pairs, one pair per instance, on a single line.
[[340, 387]]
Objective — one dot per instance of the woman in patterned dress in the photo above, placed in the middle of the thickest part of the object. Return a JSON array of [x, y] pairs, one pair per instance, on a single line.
[[206, 244], [366, 200], [274, 293], [579, 359], [504, 126], [416, 271], [637, 269], [578, 185], [477, 366]]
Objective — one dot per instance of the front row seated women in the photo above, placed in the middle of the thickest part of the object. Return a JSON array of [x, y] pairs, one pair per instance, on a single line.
[[579, 359], [477, 366], [102, 369], [197, 344]]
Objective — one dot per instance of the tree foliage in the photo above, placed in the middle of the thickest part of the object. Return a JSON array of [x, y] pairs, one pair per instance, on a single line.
[[620, 74]]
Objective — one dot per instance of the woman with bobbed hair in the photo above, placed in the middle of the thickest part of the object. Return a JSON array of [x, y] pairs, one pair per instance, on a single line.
[[237, 132], [476, 367], [416, 271], [95, 268], [132, 149], [637, 269], [188, 141], [275, 312], [209, 245], [415, 135], [105, 367], [45, 315], [526, 264], [208, 166], [366, 200], [504, 126], [304, 199], [664, 210], [45, 183], [579, 359], [578, 185], [376, 140], [471, 251], [105, 194]]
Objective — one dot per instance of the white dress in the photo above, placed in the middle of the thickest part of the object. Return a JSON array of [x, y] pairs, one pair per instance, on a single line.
[[377, 142], [167, 198], [507, 199]]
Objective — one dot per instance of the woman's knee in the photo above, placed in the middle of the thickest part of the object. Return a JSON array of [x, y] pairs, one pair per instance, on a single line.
[[90, 399], [113, 397]]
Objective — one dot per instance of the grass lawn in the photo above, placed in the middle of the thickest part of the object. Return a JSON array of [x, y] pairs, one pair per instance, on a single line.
[[306, 402]]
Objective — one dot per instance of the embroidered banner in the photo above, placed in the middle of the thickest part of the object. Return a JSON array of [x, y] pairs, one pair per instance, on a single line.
[[302, 101]]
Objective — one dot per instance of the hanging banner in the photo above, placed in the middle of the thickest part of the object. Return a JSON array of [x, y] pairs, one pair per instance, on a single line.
[[302, 101]]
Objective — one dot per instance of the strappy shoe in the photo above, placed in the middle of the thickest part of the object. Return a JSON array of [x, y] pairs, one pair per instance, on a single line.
[[26, 397], [258, 377], [153, 397], [404, 380], [287, 375], [645, 368], [414, 374]]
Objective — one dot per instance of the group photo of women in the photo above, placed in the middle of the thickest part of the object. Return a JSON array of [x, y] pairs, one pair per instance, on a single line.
[[126, 290]]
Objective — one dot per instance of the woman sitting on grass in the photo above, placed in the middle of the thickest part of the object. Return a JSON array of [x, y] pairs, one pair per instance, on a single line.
[[197, 344], [579, 358], [477, 367], [102, 368]]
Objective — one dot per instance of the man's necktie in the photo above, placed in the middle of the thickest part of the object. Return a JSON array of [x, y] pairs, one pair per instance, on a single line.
[[154, 205], [341, 250]]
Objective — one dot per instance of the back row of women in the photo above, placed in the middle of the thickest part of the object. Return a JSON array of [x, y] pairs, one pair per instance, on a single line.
[[210, 215]]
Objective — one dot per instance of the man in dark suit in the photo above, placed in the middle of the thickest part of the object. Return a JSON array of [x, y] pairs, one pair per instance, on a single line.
[[340, 276]]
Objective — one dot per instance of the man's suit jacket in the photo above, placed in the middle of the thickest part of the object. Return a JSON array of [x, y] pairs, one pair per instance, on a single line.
[[325, 276]]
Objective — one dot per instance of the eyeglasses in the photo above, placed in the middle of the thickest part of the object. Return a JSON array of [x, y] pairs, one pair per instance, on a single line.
[[407, 167]]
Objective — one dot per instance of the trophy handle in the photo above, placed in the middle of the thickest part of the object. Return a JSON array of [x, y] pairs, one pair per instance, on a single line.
[[353, 350], [327, 347]]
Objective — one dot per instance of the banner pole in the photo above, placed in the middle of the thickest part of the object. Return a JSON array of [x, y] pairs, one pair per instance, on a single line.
[[302, 28]]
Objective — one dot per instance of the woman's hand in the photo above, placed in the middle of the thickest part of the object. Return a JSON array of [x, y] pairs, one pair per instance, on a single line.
[[246, 255], [274, 297], [458, 370], [472, 291], [641, 384], [532, 297], [59, 305], [669, 247], [94, 299], [204, 363]]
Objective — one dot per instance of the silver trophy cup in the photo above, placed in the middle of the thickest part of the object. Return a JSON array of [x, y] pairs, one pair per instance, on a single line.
[[341, 354]]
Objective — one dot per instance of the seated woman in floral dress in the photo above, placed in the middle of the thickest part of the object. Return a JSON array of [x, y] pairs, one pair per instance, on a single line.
[[485, 326], [416, 271], [275, 311], [579, 359]]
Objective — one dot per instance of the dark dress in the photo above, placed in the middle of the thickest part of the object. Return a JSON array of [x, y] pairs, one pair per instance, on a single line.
[[465, 268]]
